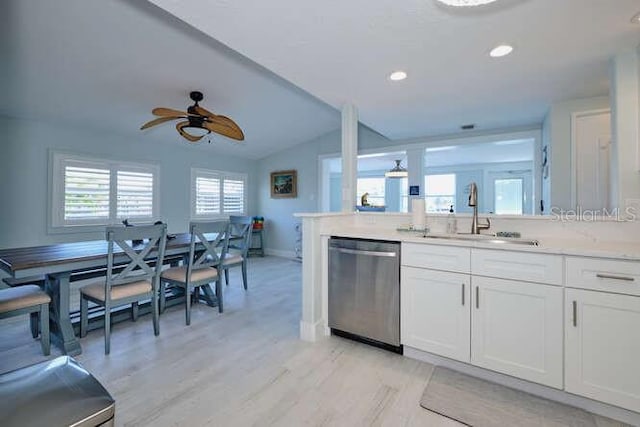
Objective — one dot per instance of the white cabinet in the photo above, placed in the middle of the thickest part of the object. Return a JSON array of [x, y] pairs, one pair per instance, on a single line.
[[527, 266], [516, 329], [603, 347], [437, 257], [435, 315]]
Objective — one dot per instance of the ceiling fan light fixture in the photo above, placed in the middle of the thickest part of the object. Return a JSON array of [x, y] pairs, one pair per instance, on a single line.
[[465, 3], [397, 171]]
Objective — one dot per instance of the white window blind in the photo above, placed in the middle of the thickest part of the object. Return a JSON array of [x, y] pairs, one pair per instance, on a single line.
[[217, 193], [135, 194], [87, 191], [207, 196], [233, 196]]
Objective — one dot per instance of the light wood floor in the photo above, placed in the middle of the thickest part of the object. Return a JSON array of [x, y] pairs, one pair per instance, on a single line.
[[243, 367]]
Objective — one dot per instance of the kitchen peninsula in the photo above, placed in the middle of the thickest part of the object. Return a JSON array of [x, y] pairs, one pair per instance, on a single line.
[[559, 319]]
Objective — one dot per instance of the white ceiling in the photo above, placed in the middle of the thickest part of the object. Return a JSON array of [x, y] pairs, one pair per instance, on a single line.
[[342, 51], [104, 65], [466, 154]]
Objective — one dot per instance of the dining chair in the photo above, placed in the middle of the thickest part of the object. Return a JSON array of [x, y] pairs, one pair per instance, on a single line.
[[202, 265], [237, 246], [28, 299], [137, 281]]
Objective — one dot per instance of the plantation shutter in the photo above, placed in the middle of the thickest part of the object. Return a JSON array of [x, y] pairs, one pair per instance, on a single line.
[[86, 193], [233, 191], [207, 193], [134, 194]]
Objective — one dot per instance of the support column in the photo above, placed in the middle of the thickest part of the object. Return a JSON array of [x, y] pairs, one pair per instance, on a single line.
[[349, 157], [625, 126], [415, 169]]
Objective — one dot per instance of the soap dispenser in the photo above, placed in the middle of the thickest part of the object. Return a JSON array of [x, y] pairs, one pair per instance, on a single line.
[[452, 222]]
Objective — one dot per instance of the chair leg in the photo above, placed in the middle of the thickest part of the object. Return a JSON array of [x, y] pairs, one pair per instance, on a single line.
[[226, 276], [134, 311], [244, 274], [219, 295], [107, 330], [163, 300], [45, 340], [84, 316], [196, 295], [33, 322], [187, 302], [154, 310]]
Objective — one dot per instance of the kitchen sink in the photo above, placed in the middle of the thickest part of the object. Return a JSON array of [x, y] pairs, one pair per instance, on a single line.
[[484, 239]]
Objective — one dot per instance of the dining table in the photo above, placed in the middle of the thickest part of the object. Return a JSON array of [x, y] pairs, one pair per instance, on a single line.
[[61, 263]]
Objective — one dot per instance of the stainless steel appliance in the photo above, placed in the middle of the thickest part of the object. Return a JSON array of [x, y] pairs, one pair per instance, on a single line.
[[364, 290]]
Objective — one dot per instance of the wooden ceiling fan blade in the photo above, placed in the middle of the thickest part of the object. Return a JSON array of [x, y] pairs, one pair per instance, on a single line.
[[225, 129], [203, 112], [166, 112], [158, 121], [184, 134]]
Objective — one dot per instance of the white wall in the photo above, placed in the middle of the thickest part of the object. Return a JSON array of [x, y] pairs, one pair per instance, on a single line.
[[625, 77], [279, 234], [557, 129], [25, 146]]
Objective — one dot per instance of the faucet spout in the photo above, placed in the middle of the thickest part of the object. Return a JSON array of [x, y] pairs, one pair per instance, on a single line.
[[473, 202]]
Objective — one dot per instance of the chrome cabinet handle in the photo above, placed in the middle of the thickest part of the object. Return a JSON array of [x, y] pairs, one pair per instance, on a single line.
[[360, 252], [477, 296], [614, 277], [575, 313], [463, 294]]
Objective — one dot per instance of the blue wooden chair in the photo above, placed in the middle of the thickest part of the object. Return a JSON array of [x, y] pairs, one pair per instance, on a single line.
[[32, 300], [237, 246], [137, 281], [202, 265]]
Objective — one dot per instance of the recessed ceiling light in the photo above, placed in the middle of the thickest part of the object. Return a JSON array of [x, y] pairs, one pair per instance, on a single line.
[[463, 3], [502, 50], [636, 18], [397, 76]]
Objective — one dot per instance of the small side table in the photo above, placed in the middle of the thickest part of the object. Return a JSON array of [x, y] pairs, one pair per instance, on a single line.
[[258, 250]]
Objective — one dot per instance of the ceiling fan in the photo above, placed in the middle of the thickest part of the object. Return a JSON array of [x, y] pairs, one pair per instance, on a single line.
[[196, 118]]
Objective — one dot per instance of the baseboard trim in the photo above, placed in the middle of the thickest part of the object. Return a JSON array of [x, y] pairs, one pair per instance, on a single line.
[[561, 396], [280, 253], [311, 331]]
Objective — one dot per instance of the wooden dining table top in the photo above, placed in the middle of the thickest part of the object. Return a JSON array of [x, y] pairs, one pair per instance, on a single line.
[[58, 257]]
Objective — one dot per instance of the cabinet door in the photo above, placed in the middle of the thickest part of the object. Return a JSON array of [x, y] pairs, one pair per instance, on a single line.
[[517, 329], [435, 315], [603, 347]]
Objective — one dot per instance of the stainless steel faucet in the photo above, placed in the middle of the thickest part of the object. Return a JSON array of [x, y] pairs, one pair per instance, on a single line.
[[473, 202]]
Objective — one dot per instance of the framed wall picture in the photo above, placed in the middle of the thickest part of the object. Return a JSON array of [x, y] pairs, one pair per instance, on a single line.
[[284, 184]]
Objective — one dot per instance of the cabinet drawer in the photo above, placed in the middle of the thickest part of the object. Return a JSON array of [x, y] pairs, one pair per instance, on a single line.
[[604, 275], [530, 267], [437, 257]]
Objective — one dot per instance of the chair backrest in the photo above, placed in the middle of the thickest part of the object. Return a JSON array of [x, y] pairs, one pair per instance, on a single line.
[[134, 257], [206, 236], [240, 228]]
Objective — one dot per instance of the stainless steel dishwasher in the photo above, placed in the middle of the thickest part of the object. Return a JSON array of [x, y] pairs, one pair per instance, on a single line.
[[364, 291]]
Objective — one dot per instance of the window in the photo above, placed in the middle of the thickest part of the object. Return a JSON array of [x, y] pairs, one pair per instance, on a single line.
[[509, 196], [89, 191], [216, 193], [440, 192], [375, 188]]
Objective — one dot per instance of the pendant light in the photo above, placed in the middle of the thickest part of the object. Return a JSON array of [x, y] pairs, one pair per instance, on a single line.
[[397, 171]]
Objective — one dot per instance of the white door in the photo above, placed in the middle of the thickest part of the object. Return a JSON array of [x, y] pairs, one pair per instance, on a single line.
[[516, 329], [591, 145], [603, 347], [435, 315]]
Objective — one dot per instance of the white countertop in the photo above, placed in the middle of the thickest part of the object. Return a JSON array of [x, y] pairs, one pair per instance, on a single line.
[[617, 250]]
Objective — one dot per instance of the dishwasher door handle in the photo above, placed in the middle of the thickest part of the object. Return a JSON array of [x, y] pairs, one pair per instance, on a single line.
[[361, 252]]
